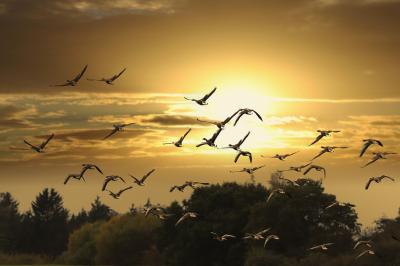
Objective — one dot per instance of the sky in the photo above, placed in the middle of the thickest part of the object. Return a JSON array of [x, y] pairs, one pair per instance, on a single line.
[[303, 65]]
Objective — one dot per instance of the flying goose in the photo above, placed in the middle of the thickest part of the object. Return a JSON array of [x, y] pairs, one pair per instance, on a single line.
[[365, 252], [40, 148], [336, 203], [153, 209], [322, 247], [194, 184], [315, 167], [179, 143], [296, 168], [187, 215], [367, 143], [247, 111], [140, 182], [181, 188], [72, 82], [117, 128], [281, 157], [293, 183], [109, 179], [268, 238], [75, 176], [377, 179], [236, 146], [162, 216], [326, 149], [222, 238], [256, 236], [323, 133], [277, 191], [211, 141], [363, 242], [202, 101], [377, 156], [109, 81], [89, 166], [245, 154], [118, 194], [250, 171], [220, 124]]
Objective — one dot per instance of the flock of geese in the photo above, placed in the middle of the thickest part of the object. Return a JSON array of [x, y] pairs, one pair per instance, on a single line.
[[161, 212]]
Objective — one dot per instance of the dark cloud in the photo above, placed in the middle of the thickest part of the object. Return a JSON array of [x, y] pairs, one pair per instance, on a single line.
[[12, 117], [173, 120], [98, 134]]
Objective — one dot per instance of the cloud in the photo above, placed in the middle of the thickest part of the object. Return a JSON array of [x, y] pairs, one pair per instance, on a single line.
[[98, 134], [171, 120]]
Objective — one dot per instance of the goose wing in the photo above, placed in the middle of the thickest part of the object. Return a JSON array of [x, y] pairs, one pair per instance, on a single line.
[[226, 121], [242, 140], [365, 147], [115, 130], [237, 156], [78, 77], [117, 75], [26, 142], [123, 190], [215, 135], [371, 162], [147, 175], [368, 183], [388, 177], [270, 195], [60, 85], [240, 115], [205, 98], [318, 138], [318, 155], [98, 169], [182, 219], [258, 115], [47, 141], [106, 181], [184, 136]]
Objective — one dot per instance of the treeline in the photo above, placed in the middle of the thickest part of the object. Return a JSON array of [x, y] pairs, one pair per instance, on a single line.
[[49, 234]]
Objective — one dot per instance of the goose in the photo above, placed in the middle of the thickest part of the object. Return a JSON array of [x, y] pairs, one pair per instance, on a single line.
[[222, 238], [118, 194], [326, 149], [181, 188], [220, 124], [323, 133], [289, 181], [377, 156], [377, 179], [210, 142], [322, 247], [140, 182], [296, 168], [281, 157], [268, 238], [202, 101], [245, 154], [153, 209], [236, 146], [256, 236], [75, 176], [336, 203], [250, 171], [162, 216], [194, 184], [179, 143], [363, 242], [89, 166], [247, 111], [117, 128], [187, 215], [365, 252], [111, 178], [367, 143], [72, 82], [277, 191], [40, 148], [109, 81], [315, 167]]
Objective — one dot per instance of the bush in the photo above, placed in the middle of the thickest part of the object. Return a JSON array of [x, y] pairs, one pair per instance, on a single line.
[[6, 259]]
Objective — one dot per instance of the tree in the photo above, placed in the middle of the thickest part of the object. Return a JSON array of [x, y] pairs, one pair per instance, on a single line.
[[49, 223], [76, 221], [100, 211], [10, 220]]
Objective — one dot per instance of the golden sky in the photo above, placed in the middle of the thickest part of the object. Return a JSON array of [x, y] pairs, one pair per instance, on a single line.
[[303, 64]]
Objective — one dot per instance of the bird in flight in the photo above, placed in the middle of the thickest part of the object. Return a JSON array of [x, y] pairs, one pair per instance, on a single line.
[[110, 178], [365, 252], [277, 191], [245, 154], [202, 101], [336, 203], [191, 184], [74, 81], [153, 209], [119, 193], [247, 111], [222, 238], [74, 176], [296, 168], [315, 167], [293, 183], [109, 81], [367, 143], [220, 124], [323, 133], [326, 149], [377, 156], [187, 215], [40, 148], [377, 179], [211, 141], [322, 247], [89, 166], [281, 157], [117, 128], [250, 171], [140, 182], [268, 238], [179, 143], [256, 236], [236, 146], [363, 243]]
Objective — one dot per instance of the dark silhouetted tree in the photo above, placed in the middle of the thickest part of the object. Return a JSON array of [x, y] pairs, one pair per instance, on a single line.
[[9, 223], [100, 211]]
